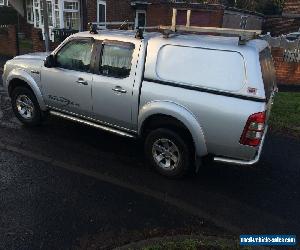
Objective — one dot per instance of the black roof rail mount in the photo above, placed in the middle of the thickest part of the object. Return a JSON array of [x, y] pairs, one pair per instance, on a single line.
[[93, 28], [139, 34]]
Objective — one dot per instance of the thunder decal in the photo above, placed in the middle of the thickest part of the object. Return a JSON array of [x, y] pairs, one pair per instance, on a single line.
[[65, 102]]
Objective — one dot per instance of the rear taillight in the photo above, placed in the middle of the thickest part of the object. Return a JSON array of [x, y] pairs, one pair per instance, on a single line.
[[254, 130]]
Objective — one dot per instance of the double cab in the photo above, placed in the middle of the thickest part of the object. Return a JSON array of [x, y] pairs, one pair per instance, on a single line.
[[186, 96]]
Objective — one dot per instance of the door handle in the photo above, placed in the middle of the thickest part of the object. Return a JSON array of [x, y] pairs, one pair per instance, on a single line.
[[82, 81], [119, 90]]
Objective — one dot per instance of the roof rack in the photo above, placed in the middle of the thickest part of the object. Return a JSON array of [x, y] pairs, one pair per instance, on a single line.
[[244, 35], [174, 29]]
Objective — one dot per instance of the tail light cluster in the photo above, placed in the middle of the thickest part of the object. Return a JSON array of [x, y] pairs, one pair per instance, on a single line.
[[254, 130]]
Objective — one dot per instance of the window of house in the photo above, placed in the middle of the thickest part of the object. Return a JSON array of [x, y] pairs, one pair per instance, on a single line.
[[49, 10], [71, 15], [3, 3], [37, 18], [73, 5], [56, 14], [61, 13], [116, 60], [101, 11], [140, 19], [36, 3], [29, 11], [75, 55]]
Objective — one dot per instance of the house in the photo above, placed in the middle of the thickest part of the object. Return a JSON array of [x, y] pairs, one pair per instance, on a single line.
[[157, 12], [152, 12], [69, 16], [76, 14]]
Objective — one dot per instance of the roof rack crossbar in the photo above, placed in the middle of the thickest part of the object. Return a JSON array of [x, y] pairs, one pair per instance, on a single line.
[[244, 35]]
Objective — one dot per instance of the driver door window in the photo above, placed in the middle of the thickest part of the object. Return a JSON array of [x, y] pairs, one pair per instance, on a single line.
[[75, 55]]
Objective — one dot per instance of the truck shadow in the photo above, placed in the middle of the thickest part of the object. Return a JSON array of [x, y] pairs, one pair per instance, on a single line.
[[275, 180]]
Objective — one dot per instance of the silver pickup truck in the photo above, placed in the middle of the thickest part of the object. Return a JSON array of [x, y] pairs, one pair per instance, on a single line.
[[187, 96]]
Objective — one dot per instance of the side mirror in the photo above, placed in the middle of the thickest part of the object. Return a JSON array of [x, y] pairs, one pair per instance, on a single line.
[[49, 62]]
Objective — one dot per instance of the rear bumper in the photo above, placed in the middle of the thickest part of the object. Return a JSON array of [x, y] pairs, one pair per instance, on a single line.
[[241, 162]]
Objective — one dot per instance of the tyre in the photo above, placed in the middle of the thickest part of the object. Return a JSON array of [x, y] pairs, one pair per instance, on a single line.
[[26, 107], [168, 152]]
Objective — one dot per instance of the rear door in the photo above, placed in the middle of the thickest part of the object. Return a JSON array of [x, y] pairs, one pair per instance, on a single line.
[[113, 83]]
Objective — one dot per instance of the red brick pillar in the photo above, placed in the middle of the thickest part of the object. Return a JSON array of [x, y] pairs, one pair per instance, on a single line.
[[12, 40], [8, 41], [37, 41]]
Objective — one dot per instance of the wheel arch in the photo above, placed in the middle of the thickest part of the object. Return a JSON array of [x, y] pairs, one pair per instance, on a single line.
[[171, 113], [18, 78]]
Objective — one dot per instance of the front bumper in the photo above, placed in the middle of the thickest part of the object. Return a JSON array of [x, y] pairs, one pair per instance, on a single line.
[[241, 162]]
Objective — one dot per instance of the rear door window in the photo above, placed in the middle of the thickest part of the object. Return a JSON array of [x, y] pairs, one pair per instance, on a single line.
[[116, 59]]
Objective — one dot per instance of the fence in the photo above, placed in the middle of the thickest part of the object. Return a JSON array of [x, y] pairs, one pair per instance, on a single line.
[[286, 55]]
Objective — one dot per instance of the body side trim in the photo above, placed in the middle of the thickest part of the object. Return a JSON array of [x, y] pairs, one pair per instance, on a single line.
[[210, 91], [92, 124], [92, 120]]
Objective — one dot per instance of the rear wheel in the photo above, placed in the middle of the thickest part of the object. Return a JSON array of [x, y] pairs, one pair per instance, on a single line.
[[26, 107], [168, 152]]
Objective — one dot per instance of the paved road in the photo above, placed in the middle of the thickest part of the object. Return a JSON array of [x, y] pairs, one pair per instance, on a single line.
[[46, 207], [261, 199]]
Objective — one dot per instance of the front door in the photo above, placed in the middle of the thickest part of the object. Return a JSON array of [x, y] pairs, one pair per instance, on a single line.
[[113, 84], [67, 86], [140, 19], [101, 14]]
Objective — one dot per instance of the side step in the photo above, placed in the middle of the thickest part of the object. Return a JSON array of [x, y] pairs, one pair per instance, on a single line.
[[91, 124]]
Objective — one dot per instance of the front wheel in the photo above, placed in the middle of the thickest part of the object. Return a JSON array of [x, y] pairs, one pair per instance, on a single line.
[[168, 152], [26, 107]]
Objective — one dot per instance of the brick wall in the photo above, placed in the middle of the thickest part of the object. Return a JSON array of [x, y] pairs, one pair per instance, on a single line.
[[38, 43], [91, 9], [278, 25], [210, 16], [25, 27], [291, 7], [8, 41], [158, 12], [117, 11], [286, 72]]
